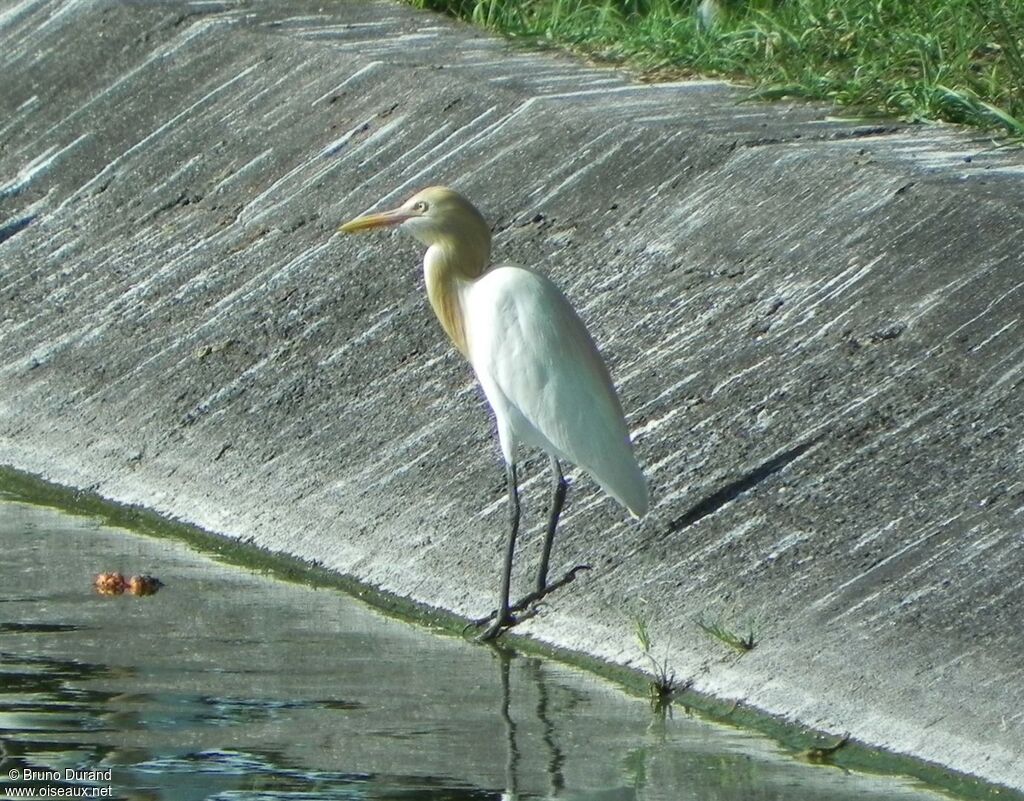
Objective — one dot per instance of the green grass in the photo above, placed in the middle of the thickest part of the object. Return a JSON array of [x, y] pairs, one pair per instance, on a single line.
[[954, 60], [663, 686], [741, 637]]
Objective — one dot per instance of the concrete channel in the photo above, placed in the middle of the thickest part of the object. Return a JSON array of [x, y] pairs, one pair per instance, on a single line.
[[814, 322]]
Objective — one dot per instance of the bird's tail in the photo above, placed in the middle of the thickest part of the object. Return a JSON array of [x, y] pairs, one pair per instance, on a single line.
[[627, 485]]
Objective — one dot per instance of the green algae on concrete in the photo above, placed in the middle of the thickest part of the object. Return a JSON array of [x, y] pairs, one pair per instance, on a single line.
[[241, 553]]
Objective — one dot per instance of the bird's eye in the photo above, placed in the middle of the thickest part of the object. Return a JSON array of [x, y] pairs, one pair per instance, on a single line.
[[421, 206]]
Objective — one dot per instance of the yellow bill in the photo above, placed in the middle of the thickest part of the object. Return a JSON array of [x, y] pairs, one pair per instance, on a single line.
[[380, 220]]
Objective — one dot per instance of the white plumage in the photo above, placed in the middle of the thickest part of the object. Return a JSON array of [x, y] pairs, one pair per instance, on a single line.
[[546, 382]]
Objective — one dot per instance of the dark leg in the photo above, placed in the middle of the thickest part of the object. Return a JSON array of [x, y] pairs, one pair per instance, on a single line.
[[527, 604], [504, 617], [556, 509]]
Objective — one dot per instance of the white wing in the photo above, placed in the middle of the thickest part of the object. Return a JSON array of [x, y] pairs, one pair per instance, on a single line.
[[545, 380]]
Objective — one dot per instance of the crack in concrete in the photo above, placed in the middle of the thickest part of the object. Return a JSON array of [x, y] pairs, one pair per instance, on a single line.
[[869, 132]]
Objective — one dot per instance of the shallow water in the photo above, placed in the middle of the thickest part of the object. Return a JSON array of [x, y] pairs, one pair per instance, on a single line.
[[228, 684]]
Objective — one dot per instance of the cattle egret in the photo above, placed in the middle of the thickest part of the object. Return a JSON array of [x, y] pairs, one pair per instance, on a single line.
[[538, 366]]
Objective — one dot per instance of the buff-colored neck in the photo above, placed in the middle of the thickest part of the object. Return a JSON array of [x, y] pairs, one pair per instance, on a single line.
[[448, 266]]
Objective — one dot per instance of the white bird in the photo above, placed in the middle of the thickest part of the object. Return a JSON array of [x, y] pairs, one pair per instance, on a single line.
[[709, 14], [538, 366]]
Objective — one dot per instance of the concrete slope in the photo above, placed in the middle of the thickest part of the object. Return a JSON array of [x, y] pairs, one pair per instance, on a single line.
[[815, 326]]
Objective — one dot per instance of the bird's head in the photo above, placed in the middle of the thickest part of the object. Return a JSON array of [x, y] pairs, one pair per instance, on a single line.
[[435, 216]]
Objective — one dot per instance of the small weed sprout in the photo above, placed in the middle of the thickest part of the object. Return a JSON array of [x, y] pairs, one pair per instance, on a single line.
[[663, 686], [741, 637]]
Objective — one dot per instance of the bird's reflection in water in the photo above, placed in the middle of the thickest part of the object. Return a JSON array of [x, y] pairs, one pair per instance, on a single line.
[[551, 754]]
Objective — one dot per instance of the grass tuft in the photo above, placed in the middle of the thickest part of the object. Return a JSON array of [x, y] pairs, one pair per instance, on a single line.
[[742, 637], [663, 686], [955, 60]]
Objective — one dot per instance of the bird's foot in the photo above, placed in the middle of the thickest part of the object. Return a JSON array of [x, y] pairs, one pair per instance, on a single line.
[[530, 600], [498, 625], [526, 607]]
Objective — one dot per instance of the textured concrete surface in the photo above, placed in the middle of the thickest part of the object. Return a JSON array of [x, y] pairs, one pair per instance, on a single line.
[[814, 324]]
